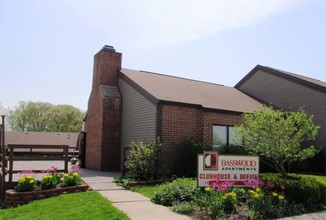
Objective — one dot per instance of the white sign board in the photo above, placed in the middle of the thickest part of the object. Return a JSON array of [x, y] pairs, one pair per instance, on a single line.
[[232, 168]]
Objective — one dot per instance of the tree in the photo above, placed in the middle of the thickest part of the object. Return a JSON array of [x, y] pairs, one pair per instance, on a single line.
[[37, 116], [17, 118], [29, 116], [42, 116], [277, 136], [64, 118]]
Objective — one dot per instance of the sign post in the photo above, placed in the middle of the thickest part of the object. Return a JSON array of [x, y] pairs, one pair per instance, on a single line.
[[232, 168]]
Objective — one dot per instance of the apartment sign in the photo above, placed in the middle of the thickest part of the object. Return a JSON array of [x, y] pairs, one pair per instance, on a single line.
[[234, 168]]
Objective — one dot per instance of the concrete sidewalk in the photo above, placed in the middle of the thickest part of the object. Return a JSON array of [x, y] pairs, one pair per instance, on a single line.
[[311, 216], [139, 207], [136, 206]]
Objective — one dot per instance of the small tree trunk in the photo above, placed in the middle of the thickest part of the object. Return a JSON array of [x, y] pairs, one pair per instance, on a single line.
[[282, 170]]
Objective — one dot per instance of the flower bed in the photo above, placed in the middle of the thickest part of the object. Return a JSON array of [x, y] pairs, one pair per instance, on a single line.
[[267, 198], [258, 200], [13, 198], [53, 183]]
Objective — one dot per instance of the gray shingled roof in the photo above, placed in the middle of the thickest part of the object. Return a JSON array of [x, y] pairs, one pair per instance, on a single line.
[[41, 138], [180, 90]]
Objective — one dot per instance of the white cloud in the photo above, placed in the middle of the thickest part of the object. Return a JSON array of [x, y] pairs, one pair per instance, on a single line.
[[157, 23]]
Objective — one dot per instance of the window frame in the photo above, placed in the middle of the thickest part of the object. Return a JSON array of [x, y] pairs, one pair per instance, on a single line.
[[227, 134]]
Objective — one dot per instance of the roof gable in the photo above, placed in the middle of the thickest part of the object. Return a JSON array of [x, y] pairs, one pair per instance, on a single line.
[[187, 91], [299, 79]]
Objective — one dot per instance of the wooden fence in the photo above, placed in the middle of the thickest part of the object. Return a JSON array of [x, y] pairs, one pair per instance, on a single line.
[[3, 171], [23, 152], [3, 161], [36, 153]]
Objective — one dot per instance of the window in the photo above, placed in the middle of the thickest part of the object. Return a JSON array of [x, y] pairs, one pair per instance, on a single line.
[[224, 136]]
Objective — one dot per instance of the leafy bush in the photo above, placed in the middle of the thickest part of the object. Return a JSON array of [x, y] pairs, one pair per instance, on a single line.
[[189, 154], [322, 188], [143, 160], [185, 208], [299, 189], [179, 190], [277, 135]]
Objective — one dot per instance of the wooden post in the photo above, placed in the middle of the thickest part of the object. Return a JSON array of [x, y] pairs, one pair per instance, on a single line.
[[3, 168], [11, 162], [65, 150]]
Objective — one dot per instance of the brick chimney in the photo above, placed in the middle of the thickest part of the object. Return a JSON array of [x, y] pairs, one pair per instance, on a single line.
[[103, 124]]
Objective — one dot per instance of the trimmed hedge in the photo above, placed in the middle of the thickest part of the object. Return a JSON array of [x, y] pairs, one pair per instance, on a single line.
[[322, 188], [299, 188]]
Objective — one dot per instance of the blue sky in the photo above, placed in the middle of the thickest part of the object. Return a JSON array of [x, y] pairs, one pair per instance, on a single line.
[[47, 47]]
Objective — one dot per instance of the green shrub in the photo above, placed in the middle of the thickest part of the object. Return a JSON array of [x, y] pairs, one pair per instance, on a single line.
[[189, 156], [143, 160], [322, 188], [183, 208], [299, 189], [179, 190]]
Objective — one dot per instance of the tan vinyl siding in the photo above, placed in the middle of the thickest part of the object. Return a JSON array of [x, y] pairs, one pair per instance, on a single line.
[[138, 116], [284, 93]]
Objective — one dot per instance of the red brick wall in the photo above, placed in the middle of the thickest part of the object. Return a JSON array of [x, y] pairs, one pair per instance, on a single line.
[[103, 117], [180, 123]]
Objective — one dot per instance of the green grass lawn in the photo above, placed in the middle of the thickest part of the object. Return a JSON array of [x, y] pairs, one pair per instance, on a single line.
[[147, 191], [85, 205]]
